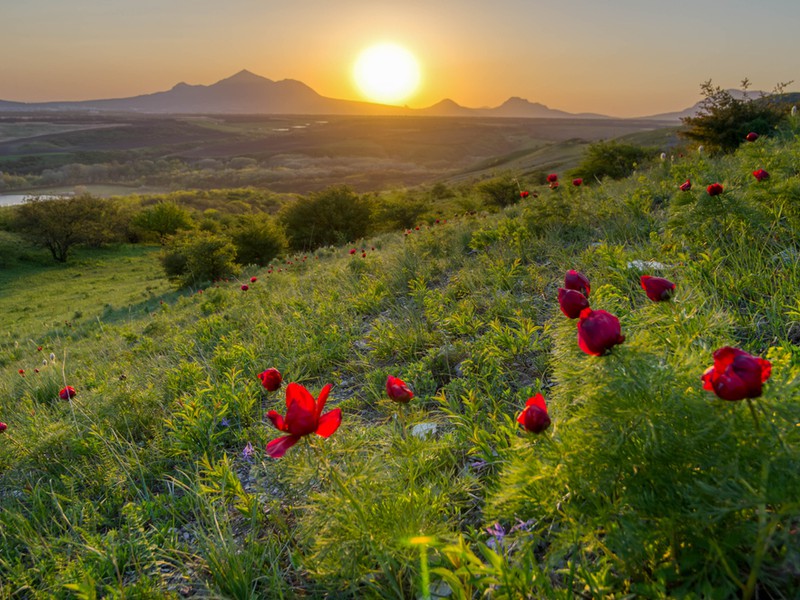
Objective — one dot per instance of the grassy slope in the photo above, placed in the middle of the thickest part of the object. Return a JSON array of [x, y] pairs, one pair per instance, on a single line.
[[643, 485]]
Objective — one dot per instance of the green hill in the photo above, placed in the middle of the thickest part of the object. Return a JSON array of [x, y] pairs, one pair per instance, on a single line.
[[153, 481]]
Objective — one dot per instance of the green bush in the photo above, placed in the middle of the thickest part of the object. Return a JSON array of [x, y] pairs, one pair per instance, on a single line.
[[500, 191], [610, 159], [191, 258], [332, 216], [399, 211], [163, 219], [258, 240]]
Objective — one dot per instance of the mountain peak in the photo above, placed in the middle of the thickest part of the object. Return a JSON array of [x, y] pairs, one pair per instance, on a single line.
[[244, 77]]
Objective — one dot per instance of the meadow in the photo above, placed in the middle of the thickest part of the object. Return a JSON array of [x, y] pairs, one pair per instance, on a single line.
[[153, 480]]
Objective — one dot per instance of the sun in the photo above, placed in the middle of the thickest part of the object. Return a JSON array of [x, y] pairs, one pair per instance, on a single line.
[[386, 73]]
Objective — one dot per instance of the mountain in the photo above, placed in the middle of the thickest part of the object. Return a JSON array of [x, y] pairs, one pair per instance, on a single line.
[[697, 106], [248, 93]]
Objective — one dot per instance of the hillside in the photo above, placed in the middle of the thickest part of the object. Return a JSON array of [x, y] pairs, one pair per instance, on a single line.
[[153, 480]]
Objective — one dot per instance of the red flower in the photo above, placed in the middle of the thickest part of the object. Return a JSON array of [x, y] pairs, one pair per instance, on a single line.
[[554, 185], [253, 279], [39, 349], [302, 418], [761, 175], [552, 178], [685, 186], [534, 417], [271, 379], [397, 390], [577, 281], [715, 189], [736, 374], [598, 332], [751, 137], [67, 393], [524, 194], [352, 251], [657, 288], [572, 302], [3, 427], [577, 181], [245, 287]]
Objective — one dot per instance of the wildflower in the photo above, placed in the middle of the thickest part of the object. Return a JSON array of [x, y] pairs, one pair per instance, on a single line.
[[352, 251], [794, 111], [363, 255], [657, 288], [3, 427], [685, 186], [397, 390], [577, 281], [534, 417], [38, 348], [554, 185], [67, 393], [21, 372], [571, 302], [598, 332], [248, 451], [524, 194], [715, 189], [577, 182], [253, 279], [751, 137], [245, 287], [663, 156], [36, 370], [225, 422], [52, 357], [760, 175], [303, 417], [271, 379], [736, 374], [552, 178]]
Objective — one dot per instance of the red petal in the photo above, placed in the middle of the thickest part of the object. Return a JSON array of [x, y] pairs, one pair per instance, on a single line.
[[322, 399], [766, 369], [329, 422], [537, 400], [277, 420], [278, 447], [297, 394]]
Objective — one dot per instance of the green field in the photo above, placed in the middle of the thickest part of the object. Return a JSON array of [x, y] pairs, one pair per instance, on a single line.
[[154, 481]]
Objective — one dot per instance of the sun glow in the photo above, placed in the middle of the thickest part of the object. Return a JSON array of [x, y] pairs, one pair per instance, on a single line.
[[386, 73]]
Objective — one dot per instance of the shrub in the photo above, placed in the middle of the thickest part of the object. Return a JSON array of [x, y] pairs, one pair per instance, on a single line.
[[500, 191], [332, 216], [610, 159], [191, 258], [724, 120], [258, 240], [163, 219], [399, 212]]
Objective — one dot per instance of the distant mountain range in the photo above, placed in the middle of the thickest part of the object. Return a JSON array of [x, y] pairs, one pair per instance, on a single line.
[[248, 93]]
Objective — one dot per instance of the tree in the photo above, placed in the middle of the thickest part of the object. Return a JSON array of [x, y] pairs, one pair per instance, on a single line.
[[163, 219], [193, 257], [500, 191], [610, 159], [332, 216], [59, 224], [258, 240], [724, 120]]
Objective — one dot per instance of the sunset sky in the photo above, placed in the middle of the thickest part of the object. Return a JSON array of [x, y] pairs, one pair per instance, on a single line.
[[621, 58]]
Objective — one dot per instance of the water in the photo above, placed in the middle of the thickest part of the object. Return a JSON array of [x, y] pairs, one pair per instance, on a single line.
[[11, 199]]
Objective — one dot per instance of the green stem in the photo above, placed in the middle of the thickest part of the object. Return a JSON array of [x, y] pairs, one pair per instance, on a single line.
[[753, 412], [425, 583]]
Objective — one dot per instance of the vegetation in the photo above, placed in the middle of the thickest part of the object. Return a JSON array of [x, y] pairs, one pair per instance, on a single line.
[[198, 257], [611, 159], [154, 480], [725, 120]]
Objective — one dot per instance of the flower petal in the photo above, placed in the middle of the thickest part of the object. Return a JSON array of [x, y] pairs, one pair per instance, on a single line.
[[277, 420], [322, 399], [278, 447], [537, 400], [297, 394], [329, 422]]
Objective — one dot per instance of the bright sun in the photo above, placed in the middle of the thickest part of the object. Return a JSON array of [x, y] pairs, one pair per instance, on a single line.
[[386, 73]]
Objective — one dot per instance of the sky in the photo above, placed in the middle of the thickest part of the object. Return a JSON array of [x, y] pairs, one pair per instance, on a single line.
[[619, 57]]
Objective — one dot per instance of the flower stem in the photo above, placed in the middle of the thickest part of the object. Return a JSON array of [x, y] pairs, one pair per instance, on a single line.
[[753, 412]]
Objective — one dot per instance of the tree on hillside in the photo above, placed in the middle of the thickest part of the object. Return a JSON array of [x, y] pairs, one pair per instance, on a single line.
[[195, 257], [724, 120], [163, 219], [333, 216], [60, 224], [500, 191], [610, 159], [258, 240]]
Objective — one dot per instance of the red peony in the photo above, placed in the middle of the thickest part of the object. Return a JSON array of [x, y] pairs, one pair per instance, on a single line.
[[751, 137], [3, 427], [598, 332], [271, 379], [736, 375], [572, 302], [253, 279], [657, 288], [534, 417], [67, 393], [554, 185], [245, 287], [524, 194], [760, 175], [303, 417], [21, 372], [397, 390], [715, 189], [577, 181], [577, 281], [352, 251], [552, 178], [685, 186]]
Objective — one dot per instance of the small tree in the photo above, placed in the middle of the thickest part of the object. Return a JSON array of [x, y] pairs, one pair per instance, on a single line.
[[332, 216], [163, 219], [193, 257], [610, 159], [724, 120], [500, 191], [258, 240]]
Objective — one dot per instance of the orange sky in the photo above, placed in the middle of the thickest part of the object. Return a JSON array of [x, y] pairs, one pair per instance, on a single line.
[[625, 58]]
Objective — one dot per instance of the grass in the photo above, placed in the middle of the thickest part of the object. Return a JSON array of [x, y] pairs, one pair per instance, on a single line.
[[645, 485]]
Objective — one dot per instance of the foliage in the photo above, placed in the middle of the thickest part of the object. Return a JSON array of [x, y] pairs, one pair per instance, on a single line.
[[399, 211], [163, 219], [196, 257], [61, 224], [332, 216], [500, 191], [610, 159], [724, 120], [258, 240]]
